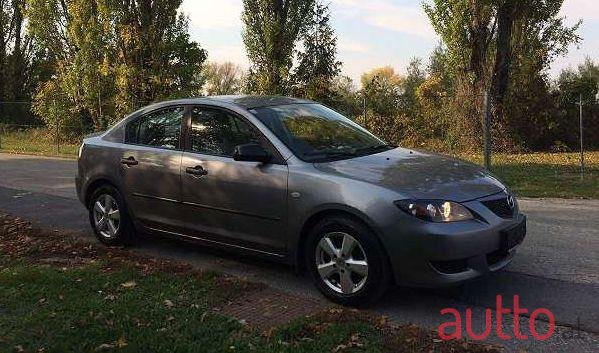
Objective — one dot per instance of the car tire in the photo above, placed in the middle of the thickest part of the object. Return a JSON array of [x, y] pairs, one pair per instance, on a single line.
[[109, 218], [351, 275]]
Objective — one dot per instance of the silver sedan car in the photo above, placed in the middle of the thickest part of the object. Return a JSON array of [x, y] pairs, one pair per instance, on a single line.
[[294, 181]]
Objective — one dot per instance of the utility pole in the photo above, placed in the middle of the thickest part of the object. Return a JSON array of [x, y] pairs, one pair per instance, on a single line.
[[581, 127], [487, 130]]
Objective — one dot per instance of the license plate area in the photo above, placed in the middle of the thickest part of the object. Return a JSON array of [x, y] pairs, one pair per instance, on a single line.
[[513, 236]]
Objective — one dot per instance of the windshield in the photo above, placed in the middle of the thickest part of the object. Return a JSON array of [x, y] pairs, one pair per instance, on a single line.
[[316, 133]]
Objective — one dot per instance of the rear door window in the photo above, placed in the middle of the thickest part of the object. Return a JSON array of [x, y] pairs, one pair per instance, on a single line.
[[160, 129]]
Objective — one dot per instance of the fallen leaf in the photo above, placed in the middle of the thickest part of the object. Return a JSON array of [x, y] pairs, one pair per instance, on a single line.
[[121, 342], [104, 346], [129, 284]]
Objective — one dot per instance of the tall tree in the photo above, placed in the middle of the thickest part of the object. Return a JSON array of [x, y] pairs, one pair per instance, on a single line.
[[271, 31], [156, 57], [21, 63], [112, 57], [7, 17], [317, 63], [487, 40]]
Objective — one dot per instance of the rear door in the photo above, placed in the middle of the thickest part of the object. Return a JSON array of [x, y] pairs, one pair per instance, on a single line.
[[237, 203], [151, 165]]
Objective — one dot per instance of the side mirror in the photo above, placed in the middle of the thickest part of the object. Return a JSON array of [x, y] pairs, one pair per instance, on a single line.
[[251, 152]]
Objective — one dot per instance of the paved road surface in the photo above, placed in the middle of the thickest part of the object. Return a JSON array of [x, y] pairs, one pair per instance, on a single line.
[[556, 268]]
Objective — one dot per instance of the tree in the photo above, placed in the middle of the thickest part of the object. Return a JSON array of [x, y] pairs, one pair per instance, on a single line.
[[571, 85], [156, 58], [271, 31], [22, 64], [382, 90], [346, 98], [318, 65], [222, 79], [6, 15], [488, 42], [112, 57]]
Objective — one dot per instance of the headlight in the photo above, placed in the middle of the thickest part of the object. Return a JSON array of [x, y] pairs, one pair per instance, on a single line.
[[435, 210]]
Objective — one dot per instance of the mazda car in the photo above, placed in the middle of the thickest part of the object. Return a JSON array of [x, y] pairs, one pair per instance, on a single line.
[[296, 182]]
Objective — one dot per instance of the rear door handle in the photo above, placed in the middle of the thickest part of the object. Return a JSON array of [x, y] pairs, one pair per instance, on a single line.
[[129, 161], [197, 171]]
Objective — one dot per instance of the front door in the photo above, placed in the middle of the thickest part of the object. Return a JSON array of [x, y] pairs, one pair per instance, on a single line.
[[151, 165], [226, 201]]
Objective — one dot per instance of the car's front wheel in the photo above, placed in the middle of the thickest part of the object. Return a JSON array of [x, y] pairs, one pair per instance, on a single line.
[[109, 218], [347, 262]]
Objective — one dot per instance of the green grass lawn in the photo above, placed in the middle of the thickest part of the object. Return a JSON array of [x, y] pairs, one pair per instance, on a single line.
[[36, 142], [60, 294], [547, 174], [529, 175]]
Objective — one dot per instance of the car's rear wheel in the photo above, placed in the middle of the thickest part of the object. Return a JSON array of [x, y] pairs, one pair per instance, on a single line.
[[109, 218], [347, 262]]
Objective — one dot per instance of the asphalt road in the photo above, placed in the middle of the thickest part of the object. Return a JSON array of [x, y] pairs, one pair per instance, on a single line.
[[557, 266]]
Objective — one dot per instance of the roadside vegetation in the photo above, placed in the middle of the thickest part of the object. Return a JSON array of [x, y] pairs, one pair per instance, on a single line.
[[528, 174], [37, 141], [546, 174], [60, 294]]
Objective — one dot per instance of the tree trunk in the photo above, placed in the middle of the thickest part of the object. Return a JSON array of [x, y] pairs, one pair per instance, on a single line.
[[505, 19], [3, 38]]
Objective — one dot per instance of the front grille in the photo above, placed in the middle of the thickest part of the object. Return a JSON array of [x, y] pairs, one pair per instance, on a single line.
[[500, 207]]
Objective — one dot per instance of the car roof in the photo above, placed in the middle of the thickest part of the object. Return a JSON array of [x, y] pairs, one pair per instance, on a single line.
[[253, 102], [246, 102]]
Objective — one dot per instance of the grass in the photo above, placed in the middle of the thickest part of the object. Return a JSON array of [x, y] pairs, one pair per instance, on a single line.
[[36, 142], [547, 174], [60, 294], [529, 175]]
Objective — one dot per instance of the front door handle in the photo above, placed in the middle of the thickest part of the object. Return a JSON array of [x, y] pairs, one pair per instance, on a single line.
[[129, 161], [197, 170]]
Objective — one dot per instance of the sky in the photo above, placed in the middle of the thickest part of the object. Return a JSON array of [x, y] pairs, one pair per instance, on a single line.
[[370, 33]]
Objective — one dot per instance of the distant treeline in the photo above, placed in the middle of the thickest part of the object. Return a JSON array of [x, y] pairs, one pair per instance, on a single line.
[[84, 64]]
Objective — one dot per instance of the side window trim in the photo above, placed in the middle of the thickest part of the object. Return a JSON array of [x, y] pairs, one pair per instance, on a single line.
[[182, 128], [278, 158]]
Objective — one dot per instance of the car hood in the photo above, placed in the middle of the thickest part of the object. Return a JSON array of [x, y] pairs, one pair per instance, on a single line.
[[418, 174]]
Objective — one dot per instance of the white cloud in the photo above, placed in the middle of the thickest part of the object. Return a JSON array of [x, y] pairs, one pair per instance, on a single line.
[[350, 46], [588, 10], [210, 14], [388, 15]]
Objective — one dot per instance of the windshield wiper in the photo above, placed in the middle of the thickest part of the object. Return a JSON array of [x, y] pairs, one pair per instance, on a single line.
[[331, 154], [375, 148]]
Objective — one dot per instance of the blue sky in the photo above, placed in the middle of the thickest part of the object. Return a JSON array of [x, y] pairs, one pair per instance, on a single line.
[[371, 33]]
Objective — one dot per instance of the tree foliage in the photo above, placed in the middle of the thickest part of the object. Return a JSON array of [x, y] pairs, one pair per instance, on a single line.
[[272, 29], [222, 79], [317, 62], [22, 63], [112, 57], [496, 46]]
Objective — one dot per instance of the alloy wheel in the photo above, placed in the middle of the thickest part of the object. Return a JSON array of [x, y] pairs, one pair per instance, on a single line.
[[107, 216], [341, 262]]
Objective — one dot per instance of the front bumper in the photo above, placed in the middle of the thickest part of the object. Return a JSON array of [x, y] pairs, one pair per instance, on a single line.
[[428, 254]]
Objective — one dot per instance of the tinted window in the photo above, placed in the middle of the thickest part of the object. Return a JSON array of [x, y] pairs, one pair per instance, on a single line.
[[217, 132], [314, 132], [158, 129]]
